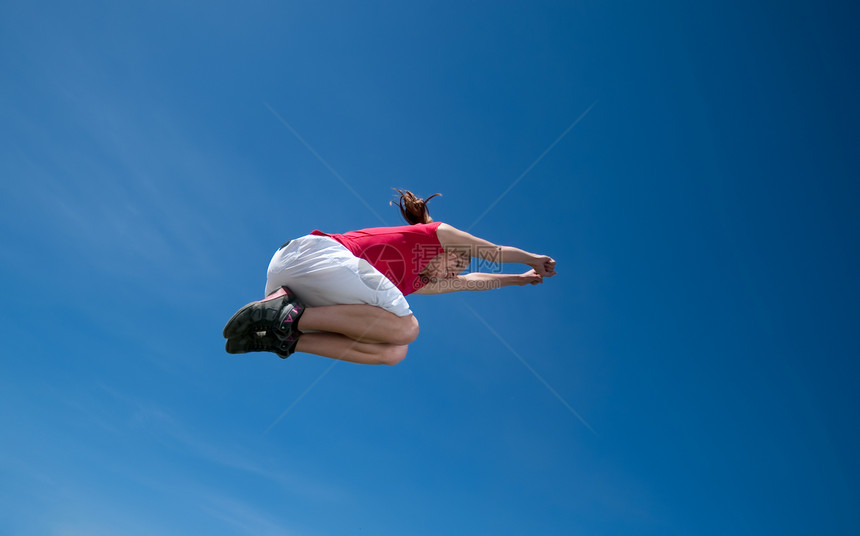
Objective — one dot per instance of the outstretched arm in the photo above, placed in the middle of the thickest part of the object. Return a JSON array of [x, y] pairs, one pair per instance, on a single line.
[[479, 281], [451, 237]]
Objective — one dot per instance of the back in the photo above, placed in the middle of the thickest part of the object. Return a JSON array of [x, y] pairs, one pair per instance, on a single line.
[[400, 253]]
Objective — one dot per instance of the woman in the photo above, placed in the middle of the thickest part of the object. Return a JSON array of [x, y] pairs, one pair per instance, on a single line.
[[343, 295]]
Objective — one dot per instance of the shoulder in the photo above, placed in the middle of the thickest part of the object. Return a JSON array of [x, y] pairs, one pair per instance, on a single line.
[[448, 235], [443, 229]]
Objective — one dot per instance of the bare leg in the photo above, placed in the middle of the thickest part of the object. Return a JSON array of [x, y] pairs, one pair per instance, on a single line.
[[364, 323], [337, 346]]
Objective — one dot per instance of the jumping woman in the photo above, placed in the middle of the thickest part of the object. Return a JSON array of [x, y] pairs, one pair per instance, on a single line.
[[343, 295]]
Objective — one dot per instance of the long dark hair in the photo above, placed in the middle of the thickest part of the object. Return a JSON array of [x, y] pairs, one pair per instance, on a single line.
[[413, 208]]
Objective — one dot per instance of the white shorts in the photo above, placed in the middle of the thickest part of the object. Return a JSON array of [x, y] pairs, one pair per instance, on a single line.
[[321, 271]]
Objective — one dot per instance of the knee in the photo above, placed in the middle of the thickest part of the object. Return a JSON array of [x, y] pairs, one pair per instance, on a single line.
[[394, 354], [408, 330]]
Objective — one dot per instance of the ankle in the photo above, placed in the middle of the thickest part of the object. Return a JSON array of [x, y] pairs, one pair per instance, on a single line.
[[303, 322]]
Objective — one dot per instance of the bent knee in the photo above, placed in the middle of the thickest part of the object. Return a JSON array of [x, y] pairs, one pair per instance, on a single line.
[[408, 330], [394, 354]]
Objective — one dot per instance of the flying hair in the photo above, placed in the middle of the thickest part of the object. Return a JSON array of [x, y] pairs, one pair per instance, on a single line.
[[413, 208]]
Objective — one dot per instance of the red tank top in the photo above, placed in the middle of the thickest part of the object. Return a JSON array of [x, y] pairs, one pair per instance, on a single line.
[[399, 253]]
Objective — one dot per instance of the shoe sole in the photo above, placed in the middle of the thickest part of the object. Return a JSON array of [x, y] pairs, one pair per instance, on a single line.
[[232, 348]]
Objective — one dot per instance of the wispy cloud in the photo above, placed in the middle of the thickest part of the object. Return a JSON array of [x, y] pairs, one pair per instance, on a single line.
[[245, 518], [163, 426], [130, 189]]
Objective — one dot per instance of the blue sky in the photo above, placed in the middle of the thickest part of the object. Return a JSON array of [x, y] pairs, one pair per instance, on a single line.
[[700, 213]]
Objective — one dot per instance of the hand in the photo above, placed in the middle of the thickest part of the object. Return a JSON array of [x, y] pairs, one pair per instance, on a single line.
[[544, 266], [530, 278]]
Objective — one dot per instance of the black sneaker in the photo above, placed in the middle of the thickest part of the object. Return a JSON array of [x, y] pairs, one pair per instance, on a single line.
[[263, 342], [277, 314]]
